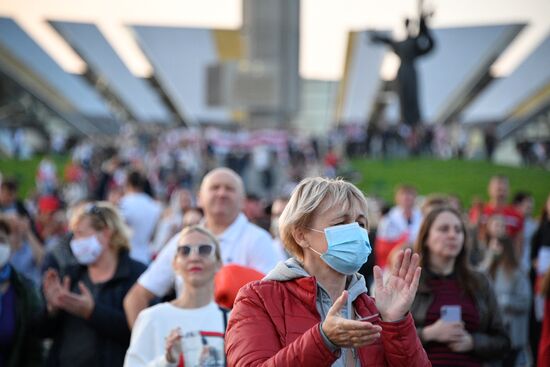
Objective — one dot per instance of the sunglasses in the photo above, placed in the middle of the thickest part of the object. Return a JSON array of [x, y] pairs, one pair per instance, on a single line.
[[93, 209], [203, 250]]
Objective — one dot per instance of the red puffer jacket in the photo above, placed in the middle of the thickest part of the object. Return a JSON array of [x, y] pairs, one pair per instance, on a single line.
[[277, 324]]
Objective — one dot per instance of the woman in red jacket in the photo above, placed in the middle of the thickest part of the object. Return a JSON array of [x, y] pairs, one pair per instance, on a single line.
[[313, 309]]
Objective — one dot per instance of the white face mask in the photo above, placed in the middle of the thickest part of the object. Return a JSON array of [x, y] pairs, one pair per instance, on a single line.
[[86, 250], [5, 252]]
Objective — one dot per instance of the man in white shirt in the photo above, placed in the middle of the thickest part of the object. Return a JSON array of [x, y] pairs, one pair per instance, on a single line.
[[221, 196], [400, 226], [141, 213]]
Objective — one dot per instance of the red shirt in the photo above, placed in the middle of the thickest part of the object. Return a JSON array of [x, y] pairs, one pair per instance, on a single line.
[[512, 218], [331, 160], [544, 345]]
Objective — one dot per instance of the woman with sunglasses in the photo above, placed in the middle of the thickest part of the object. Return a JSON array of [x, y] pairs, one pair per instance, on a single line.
[[84, 314], [314, 309], [190, 329]]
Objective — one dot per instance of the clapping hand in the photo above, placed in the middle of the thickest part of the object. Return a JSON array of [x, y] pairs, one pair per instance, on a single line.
[[59, 296], [395, 296], [52, 289], [348, 333], [81, 304]]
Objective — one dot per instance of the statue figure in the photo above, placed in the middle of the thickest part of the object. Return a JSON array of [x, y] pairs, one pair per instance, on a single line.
[[407, 51]]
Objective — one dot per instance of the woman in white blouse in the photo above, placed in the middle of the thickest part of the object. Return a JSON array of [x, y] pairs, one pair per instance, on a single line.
[[191, 328]]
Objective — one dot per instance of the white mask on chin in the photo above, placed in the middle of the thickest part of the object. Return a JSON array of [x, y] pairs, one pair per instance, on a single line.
[[86, 250]]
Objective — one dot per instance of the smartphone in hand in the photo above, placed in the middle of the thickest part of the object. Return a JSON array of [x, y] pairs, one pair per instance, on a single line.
[[451, 313]]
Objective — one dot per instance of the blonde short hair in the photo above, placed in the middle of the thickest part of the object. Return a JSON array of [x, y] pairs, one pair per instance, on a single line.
[[312, 196], [198, 228], [104, 215]]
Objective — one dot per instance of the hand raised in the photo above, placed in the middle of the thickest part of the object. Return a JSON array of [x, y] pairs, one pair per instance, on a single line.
[[348, 333], [395, 296]]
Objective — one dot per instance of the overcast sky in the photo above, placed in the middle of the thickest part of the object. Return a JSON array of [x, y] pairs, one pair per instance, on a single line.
[[324, 24]]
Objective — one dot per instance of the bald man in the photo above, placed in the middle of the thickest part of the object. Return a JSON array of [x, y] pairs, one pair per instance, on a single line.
[[221, 196]]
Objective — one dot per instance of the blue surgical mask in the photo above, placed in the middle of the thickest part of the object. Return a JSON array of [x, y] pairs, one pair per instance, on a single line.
[[348, 247]]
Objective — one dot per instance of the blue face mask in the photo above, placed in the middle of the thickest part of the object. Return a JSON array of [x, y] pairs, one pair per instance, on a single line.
[[348, 247]]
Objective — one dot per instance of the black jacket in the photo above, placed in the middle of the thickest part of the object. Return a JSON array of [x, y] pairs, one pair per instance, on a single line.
[[26, 350], [108, 321]]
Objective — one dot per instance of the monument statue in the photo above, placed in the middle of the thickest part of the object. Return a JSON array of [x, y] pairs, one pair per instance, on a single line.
[[407, 51]]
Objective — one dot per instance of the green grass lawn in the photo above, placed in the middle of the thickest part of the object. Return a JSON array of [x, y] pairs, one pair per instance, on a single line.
[[466, 179], [380, 177], [25, 171]]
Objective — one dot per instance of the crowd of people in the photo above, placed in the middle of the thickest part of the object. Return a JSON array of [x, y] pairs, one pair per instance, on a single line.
[[191, 252]]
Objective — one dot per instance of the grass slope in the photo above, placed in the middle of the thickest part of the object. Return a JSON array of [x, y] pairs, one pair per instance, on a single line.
[[466, 179], [25, 171]]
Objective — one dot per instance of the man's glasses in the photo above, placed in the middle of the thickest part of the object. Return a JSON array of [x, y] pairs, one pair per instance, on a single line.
[[204, 250]]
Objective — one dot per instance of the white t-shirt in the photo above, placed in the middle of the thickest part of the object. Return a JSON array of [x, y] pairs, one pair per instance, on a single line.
[[141, 213], [393, 225], [242, 243], [202, 331]]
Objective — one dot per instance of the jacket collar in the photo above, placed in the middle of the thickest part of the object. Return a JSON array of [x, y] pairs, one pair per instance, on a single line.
[[122, 270], [304, 286], [305, 289], [233, 233], [427, 275]]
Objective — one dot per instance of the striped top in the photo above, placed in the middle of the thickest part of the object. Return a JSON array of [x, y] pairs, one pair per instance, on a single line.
[[447, 292]]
